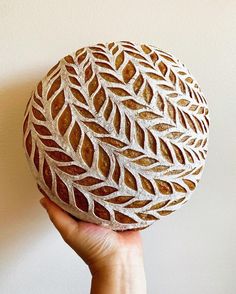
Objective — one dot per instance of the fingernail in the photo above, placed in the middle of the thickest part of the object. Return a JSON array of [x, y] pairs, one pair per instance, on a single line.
[[42, 202]]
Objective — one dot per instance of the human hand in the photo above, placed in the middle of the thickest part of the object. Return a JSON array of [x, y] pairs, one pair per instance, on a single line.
[[115, 259]]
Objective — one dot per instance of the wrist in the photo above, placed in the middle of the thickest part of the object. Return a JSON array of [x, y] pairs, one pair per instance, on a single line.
[[123, 257], [123, 273]]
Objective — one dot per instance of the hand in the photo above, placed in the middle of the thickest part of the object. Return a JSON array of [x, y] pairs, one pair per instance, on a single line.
[[115, 259]]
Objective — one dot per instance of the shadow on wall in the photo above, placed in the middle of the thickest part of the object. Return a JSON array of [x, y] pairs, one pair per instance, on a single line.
[[19, 208]]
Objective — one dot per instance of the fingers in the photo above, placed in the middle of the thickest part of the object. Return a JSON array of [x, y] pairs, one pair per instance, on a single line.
[[64, 223]]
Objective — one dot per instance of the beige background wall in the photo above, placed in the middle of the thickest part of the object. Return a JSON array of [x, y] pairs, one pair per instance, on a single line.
[[190, 251]]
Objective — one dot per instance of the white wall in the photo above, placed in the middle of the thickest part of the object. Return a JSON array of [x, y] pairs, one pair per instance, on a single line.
[[190, 251]]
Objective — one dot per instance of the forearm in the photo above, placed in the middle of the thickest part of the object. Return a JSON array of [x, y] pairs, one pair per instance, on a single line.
[[124, 275]]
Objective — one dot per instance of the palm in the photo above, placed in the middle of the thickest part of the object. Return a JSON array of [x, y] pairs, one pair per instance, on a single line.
[[95, 244]]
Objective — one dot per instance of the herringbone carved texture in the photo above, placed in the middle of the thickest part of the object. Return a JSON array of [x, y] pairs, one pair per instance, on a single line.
[[116, 134]]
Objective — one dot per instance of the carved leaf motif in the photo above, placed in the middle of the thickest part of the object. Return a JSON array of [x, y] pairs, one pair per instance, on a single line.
[[189, 155], [174, 135], [119, 91], [88, 181], [145, 161], [72, 169], [164, 187], [162, 127], [28, 143], [165, 151], [54, 87], [122, 218], [69, 59], [62, 190], [177, 201], [155, 76], [166, 87], [100, 56], [190, 184], [128, 72], [148, 93], [99, 99], [103, 191], [146, 49], [140, 135], [42, 130], [165, 212], [95, 127], [159, 205], [127, 128], [146, 216], [130, 179], [179, 188], [130, 103], [80, 200], [75, 135], [87, 151], [117, 120], [50, 143], [92, 87], [138, 204], [152, 142], [163, 68], [148, 115], [59, 156], [88, 73], [84, 112], [104, 65], [179, 154], [71, 70], [182, 86], [36, 157], [40, 88], [108, 110], [119, 60], [172, 77], [147, 65], [138, 84], [101, 211], [190, 122], [183, 102], [81, 57], [103, 162], [38, 101], [131, 153], [120, 199], [116, 172], [109, 77], [147, 185], [113, 142], [160, 103], [171, 111], [136, 55], [38, 114], [47, 174], [57, 104], [64, 120], [78, 95]]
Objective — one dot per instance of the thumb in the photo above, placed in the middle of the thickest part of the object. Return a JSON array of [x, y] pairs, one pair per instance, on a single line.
[[65, 224]]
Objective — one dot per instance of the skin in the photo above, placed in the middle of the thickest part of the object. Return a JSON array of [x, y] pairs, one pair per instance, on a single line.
[[115, 259]]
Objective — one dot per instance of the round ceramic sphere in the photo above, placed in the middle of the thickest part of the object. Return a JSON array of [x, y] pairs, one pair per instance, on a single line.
[[116, 134]]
